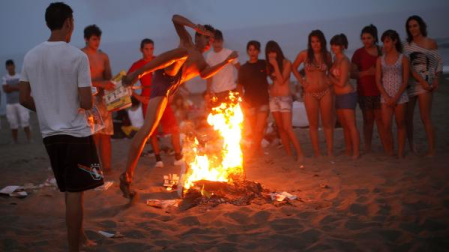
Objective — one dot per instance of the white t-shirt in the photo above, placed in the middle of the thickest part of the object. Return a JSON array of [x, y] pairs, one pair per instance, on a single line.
[[11, 80], [225, 79], [55, 70], [136, 117]]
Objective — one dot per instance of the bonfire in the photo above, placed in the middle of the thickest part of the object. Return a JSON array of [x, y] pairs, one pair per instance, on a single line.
[[214, 163]]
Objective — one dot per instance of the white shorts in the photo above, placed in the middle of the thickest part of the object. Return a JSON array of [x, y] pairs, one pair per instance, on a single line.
[[17, 115]]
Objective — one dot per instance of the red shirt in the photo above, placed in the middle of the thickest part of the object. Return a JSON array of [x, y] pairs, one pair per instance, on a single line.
[[366, 86], [145, 81]]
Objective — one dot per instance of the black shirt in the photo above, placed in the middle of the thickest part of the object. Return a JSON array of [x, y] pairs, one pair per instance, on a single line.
[[253, 78]]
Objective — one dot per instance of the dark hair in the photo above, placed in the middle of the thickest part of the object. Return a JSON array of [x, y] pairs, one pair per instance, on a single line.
[[9, 62], [372, 30], [207, 27], [422, 27], [218, 35], [134, 101], [254, 43], [324, 53], [273, 46], [56, 14], [340, 40], [393, 35], [145, 41], [92, 30]]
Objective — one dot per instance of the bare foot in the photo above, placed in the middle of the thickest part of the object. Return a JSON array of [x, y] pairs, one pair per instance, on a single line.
[[348, 152], [125, 187], [300, 160], [85, 242], [355, 156], [430, 154]]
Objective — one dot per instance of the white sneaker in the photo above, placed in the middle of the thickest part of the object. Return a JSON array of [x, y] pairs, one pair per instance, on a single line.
[[179, 162], [159, 164]]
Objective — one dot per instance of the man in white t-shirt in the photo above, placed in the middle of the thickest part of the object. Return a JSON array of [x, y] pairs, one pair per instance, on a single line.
[[58, 76], [224, 81], [16, 114]]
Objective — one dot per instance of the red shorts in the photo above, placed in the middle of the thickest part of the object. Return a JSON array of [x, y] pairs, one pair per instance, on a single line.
[[168, 121]]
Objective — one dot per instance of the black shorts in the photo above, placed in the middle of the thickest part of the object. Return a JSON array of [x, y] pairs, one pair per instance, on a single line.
[[74, 162]]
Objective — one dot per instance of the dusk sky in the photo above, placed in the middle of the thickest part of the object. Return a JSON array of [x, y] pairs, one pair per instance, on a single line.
[[125, 23]]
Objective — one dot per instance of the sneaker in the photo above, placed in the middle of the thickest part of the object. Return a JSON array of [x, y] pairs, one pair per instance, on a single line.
[[159, 164], [179, 162]]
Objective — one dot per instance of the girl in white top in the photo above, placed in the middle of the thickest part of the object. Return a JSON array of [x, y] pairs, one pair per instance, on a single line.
[[425, 67], [392, 71]]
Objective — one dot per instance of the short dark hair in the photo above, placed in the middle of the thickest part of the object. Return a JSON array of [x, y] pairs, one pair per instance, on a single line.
[[393, 35], [372, 30], [254, 43], [92, 30], [422, 27], [9, 62], [218, 35], [207, 27], [340, 40], [145, 41], [56, 14]]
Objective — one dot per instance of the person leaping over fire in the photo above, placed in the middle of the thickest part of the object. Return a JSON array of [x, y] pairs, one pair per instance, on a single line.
[[171, 69]]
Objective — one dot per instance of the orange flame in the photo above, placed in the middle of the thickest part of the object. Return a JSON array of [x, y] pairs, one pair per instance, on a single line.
[[212, 163]]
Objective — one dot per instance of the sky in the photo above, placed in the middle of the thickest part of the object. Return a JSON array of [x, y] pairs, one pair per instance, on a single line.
[[125, 23], [24, 25]]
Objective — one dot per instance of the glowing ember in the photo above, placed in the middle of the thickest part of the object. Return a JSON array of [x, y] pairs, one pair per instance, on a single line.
[[221, 158]]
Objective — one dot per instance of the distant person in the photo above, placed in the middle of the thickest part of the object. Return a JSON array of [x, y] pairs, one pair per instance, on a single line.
[[101, 75], [224, 81], [318, 94], [253, 86], [56, 83], [17, 115], [364, 70], [392, 72], [426, 68], [345, 95], [168, 119], [281, 101], [171, 69]]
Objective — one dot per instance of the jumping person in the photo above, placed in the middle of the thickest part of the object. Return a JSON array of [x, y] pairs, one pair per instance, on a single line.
[[171, 69], [168, 119]]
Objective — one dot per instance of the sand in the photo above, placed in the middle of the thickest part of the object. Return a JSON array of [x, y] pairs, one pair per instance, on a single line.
[[376, 203]]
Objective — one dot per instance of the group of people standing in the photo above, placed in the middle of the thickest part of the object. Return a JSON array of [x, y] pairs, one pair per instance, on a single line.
[[57, 80], [390, 80]]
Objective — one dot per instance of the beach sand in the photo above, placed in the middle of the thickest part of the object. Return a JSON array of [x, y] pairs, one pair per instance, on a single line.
[[376, 203]]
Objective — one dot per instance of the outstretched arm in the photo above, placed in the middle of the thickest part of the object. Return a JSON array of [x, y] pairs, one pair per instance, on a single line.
[[210, 71], [162, 61], [180, 23]]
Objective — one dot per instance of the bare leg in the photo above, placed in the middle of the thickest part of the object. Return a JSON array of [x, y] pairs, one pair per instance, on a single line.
[[387, 117], [74, 219], [312, 106], [349, 115], [327, 117], [425, 109], [103, 144], [27, 133], [287, 124], [347, 133], [368, 125], [400, 122], [284, 136], [379, 125], [259, 129], [409, 122], [156, 107], [14, 133]]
